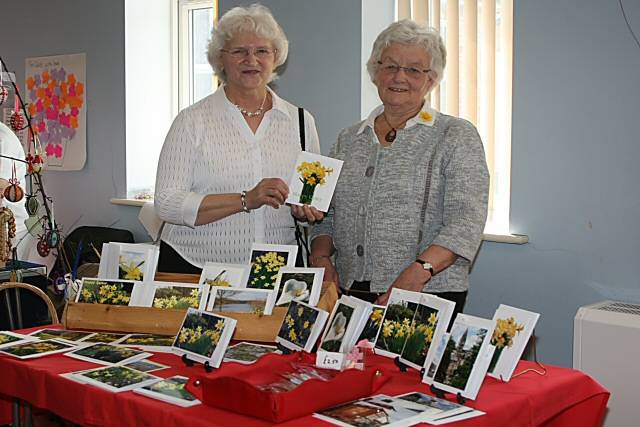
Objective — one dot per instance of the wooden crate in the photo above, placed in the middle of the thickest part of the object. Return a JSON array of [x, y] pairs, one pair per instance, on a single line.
[[250, 327]]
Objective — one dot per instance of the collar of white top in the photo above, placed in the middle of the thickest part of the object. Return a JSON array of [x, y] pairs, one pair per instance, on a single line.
[[426, 117]]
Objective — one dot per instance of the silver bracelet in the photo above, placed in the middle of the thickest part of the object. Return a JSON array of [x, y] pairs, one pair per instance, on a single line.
[[243, 200]]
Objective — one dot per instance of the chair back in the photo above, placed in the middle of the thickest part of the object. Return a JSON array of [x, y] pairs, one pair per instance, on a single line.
[[19, 285]]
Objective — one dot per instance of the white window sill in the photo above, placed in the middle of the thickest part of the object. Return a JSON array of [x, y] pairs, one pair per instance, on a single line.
[[517, 239]]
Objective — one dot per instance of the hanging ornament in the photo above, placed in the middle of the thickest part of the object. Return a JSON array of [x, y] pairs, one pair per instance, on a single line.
[[43, 247], [14, 193], [7, 232], [32, 204], [4, 91], [53, 238], [35, 161], [16, 120]]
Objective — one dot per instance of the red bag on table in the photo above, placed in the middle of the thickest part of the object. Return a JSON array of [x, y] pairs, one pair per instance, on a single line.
[[241, 390]]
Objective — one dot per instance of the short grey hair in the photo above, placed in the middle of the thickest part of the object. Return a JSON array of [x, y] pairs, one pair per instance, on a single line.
[[255, 19], [410, 32]]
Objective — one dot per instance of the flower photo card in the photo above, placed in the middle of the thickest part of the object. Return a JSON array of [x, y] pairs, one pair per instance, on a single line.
[[33, 349], [225, 275], [345, 324], [128, 261], [179, 296], [145, 365], [113, 292], [266, 260], [372, 324], [514, 327], [246, 353], [299, 284], [8, 339], [116, 378], [149, 342], [204, 337], [241, 300], [62, 335], [170, 390], [301, 327], [396, 323], [429, 323], [106, 337], [466, 356], [107, 354], [314, 180], [430, 368]]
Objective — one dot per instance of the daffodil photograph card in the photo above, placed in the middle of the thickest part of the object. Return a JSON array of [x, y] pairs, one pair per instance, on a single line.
[[241, 300], [113, 292], [372, 324], [170, 390], [514, 327], [314, 180], [175, 295], [225, 275], [107, 354], [33, 349], [299, 284], [301, 327], [145, 365], [396, 323], [149, 342], [266, 260], [246, 353], [204, 337], [62, 335], [10, 338], [105, 337], [466, 356], [128, 261], [429, 323], [115, 378]]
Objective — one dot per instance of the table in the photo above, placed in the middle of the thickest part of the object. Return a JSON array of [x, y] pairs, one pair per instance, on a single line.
[[563, 397]]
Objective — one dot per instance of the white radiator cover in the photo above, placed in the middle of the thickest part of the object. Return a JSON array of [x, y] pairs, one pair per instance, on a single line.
[[606, 345]]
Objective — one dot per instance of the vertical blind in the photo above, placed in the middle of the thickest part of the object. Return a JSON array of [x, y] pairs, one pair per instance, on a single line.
[[477, 81]]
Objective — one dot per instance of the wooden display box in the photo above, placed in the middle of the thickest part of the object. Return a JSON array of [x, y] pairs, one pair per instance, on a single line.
[[250, 327]]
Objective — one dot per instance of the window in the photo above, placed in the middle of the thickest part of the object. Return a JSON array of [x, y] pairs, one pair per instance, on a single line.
[[166, 70], [477, 82]]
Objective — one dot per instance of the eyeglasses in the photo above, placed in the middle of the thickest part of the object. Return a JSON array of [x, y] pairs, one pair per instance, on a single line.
[[412, 72], [244, 52]]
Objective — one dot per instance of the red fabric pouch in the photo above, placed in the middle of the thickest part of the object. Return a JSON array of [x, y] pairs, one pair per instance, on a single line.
[[236, 389]]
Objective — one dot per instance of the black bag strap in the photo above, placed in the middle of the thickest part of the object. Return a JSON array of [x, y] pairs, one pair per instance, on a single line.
[[301, 235]]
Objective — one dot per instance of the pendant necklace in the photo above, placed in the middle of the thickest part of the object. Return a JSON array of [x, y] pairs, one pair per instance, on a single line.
[[391, 135], [256, 113]]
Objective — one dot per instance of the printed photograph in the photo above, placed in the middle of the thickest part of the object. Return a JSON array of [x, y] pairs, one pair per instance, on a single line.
[[67, 335], [299, 284], [430, 401], [335, 334], [314, 180], [374, 411], [245, 352], [96, 291], [460, 355], [200, 333], [437, 357], [145, 365], [396, 325], [131, 265], [106, 353], [32, 349], [178, 297], [8, 338], [224, 275], [152, 340], [105, 337], [116, 377], [298, 324], [266, 260], [371, 328], [420, 335], [172, 388], [234, 300]]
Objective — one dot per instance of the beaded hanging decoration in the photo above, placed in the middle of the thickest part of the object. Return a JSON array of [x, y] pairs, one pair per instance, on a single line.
[[14, 193], [7, 232], [4, 91], [16, 120]]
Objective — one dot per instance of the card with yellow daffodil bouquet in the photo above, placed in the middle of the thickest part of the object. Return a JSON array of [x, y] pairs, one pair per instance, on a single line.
[[514, 327], [266, 261], [314, 180]]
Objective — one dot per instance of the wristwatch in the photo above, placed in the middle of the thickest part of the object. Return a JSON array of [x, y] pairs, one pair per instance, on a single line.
[[426, 265]]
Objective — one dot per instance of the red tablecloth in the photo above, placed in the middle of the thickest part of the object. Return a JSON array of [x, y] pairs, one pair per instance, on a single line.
[[563, 397]]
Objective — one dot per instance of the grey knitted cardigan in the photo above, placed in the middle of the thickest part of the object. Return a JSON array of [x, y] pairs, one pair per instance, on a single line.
[[375, 218]]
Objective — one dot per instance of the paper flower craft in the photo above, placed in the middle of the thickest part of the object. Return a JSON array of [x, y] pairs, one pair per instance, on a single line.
[[293, 290]]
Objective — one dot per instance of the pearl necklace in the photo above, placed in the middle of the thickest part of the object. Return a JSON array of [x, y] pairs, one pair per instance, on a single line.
[[256, 113]]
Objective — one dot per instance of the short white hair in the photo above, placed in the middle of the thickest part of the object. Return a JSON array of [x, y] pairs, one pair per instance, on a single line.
[[410, 32], [255, 19]]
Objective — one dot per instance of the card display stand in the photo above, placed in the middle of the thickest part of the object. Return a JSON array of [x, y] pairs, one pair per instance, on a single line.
[[250, 327]]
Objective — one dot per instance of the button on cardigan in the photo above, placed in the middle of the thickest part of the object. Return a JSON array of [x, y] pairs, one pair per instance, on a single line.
[[210, 149]]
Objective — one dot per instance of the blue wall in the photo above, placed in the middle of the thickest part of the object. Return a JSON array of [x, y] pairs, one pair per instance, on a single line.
[[575, 139]]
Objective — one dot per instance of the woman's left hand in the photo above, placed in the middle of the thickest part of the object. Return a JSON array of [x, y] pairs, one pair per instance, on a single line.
[[412, 278], [307, 213]]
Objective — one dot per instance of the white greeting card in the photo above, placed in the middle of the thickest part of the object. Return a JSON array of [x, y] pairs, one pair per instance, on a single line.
[[170, 390], [220, 274], [301, 326], [241, 300], [299, 284], [111, 291], [313, 180], [266, 260], [400, 311], [128, 261], [175, 295]]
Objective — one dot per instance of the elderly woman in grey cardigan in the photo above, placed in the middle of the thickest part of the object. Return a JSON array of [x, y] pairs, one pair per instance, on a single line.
[[411, 202]]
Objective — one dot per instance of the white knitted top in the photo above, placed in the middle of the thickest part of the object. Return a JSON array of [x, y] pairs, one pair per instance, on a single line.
[[210, 149]]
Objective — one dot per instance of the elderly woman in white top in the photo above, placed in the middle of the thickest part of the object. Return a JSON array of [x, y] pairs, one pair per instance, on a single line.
[[222, 173], [411, 202]]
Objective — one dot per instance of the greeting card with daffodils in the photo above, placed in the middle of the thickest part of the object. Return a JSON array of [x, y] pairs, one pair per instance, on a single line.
[[314, 180], [514, 327], [112, 292], [266, 261], [301, 327], [224, 275], [128, 261]]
